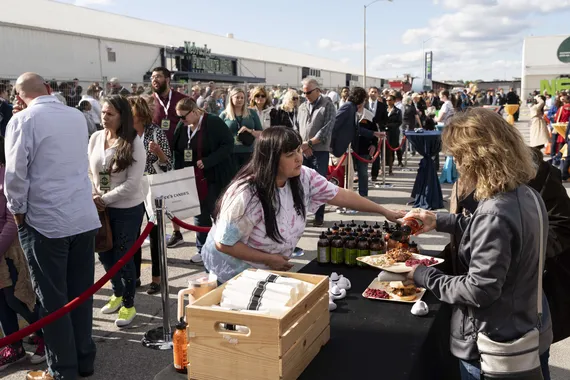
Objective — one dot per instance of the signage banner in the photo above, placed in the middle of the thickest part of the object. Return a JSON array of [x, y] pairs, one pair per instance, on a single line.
[[428, 65], [564, 51]]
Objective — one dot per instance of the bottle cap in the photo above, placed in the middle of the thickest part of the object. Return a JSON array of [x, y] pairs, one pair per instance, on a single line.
[[181, 325]]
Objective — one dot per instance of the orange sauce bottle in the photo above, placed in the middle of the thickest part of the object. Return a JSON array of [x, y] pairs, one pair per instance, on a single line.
[[180, 347]]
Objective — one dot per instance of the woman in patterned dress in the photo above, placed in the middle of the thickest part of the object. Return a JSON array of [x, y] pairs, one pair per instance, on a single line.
[[262, 215]]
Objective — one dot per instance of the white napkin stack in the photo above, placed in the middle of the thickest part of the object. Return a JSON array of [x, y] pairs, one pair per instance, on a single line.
[[302, 287]]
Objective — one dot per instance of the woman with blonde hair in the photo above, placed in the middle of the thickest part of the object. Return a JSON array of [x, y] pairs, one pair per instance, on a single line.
[[495, 291], [261, 104], [287, 114], [244, 125]]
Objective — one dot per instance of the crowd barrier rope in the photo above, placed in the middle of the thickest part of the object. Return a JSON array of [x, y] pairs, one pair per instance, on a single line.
[[340, 163], [378, 150], [398, 148], [22, 333], [187, 226]]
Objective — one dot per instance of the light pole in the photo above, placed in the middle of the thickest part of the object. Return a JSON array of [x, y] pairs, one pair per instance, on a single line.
[[366, 6], [424, 61]]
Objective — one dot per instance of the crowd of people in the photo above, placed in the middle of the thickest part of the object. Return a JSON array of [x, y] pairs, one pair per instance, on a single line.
[[260, 158]]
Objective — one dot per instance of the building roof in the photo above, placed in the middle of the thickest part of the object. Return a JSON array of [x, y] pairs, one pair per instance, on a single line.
[[55, 16]]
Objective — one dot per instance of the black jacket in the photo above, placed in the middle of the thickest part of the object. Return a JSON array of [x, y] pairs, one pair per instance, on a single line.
[[346, 130], [5, 116], [393, 127], [217, 149]]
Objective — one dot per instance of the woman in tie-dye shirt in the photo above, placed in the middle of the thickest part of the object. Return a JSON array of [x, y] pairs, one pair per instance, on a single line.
[[262, 215]]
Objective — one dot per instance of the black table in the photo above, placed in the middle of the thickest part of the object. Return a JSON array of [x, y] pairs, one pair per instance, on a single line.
[[427, 189], [377, 339]]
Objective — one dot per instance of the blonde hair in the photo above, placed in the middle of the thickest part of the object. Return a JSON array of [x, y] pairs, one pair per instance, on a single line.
[[230, 114], [492, 156], [259, 90], [288, 103], [140, 109]]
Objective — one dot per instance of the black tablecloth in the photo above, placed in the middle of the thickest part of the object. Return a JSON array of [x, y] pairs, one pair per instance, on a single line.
[[427, 189], [377, 339]]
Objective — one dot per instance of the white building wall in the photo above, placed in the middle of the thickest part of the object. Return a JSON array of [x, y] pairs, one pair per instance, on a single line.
[[338, 80], [285, 75], [132, 60], [540, 61], [250, 68]]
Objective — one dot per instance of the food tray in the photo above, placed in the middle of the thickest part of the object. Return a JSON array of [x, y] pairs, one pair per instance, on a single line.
[[397, 267], [383, 285]]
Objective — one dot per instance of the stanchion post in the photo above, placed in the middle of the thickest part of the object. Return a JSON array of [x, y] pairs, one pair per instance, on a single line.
[[160, 338], [406, 152], [384, 147]]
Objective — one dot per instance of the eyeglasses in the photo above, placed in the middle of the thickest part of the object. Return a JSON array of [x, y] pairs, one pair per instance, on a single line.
[[184, 117], [260, 95], [310, 92]]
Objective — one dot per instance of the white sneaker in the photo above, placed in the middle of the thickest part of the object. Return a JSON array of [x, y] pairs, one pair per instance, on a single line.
[[126, 316], [197, 259], [113, 305]]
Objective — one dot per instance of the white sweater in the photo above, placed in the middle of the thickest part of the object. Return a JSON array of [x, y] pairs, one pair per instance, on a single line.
[[126, 186]]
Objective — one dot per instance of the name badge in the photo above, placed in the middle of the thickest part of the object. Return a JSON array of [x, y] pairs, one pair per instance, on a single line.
[[165, 124], [104, 181], [187, 155]]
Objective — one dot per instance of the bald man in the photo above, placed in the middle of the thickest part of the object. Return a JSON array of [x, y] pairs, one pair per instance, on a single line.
[[50, 194]]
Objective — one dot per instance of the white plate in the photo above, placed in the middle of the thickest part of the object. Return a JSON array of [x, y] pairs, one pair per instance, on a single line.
[[397, 267], [382, 285]]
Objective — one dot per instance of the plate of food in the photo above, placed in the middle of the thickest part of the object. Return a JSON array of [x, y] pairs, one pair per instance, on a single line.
[[395, 291], [399, 260]]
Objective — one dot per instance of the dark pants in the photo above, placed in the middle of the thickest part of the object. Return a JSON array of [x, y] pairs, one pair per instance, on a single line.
[[61, 270], [471, 370], [125, 227], [205, 218], [241, 159], [390, 157], [153, 253], [362, 170], [10, 307], [376, 166], [320, 162], [553, 144]]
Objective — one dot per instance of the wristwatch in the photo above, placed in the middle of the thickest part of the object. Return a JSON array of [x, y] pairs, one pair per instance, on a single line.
[[310, 144]]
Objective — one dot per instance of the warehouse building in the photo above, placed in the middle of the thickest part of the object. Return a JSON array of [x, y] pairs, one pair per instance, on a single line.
[[64, 41]]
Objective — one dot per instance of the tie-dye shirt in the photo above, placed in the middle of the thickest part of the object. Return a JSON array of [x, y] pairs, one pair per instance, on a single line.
[[241, 219]]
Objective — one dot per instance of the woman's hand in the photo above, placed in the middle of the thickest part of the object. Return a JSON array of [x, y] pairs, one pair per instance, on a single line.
[[200, 164], [428, 219], [99, 203], [154, 148], [393, 216], [245, 129], [278, 262]]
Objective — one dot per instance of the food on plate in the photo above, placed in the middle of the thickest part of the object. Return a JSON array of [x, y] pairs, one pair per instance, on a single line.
[[379, 261], [426, 262], [376, 293], [404, 291], [399, 255]]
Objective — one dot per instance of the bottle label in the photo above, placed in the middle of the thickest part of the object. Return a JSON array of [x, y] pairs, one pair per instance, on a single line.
[[324, 255], [337, 255], [350, 256]]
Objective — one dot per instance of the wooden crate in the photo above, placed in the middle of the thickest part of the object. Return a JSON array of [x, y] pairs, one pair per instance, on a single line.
[[274, 347]]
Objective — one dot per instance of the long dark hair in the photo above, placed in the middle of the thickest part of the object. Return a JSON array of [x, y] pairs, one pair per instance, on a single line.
[[260, 176], [126, 133]]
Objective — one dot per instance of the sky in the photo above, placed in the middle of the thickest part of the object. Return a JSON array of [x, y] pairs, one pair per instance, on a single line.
[[470, 39]]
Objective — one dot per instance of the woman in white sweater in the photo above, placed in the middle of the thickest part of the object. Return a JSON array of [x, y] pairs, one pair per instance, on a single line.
[[117, 160]]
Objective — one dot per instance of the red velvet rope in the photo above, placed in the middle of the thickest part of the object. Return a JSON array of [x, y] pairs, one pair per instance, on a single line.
[[82, 298], [373, 158], [189, 227], [398, 148], [337, 167]]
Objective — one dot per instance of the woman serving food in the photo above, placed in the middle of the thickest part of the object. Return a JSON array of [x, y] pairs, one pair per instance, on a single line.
[[262, 215]]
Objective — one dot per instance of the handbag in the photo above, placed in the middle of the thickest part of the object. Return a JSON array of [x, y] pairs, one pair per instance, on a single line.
[[520, 357], [104, 237]]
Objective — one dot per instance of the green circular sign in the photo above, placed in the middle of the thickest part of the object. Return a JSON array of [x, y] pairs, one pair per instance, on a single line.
[[564, 51]]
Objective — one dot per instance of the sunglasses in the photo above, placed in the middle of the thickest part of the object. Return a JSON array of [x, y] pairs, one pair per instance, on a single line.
[[260, 95], [310, 92], [181, 117]]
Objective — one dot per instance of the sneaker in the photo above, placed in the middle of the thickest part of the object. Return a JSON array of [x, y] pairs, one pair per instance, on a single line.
[[153, 288], [175, 240], [39, 355], [113, 305], [126, 316], [197, 259], [10, 355]]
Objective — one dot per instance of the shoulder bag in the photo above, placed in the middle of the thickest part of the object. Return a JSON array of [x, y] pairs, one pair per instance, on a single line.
[[520, 358]]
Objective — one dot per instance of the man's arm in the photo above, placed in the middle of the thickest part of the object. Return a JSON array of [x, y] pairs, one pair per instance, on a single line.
[[324, 134], [16, 181]]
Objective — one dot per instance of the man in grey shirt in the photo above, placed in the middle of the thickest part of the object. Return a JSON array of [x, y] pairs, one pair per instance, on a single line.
[[49, 192], [316, 119]]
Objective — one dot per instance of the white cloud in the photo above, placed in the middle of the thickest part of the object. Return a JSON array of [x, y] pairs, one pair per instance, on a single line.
[[345, 60], [331, 45], [85, 3], [473, 37]]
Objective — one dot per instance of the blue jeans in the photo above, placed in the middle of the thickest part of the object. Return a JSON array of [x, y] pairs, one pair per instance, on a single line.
[[362, 170], [61, 270], [10, 307], [125, 225], [320, 162], [471, 370]]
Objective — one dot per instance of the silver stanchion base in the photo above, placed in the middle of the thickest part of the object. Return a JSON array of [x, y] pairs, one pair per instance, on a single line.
[[155, 339], [385, 186]]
